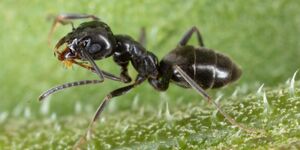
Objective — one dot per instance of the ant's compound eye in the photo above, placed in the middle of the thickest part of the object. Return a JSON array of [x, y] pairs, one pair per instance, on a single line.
[[94, 48]]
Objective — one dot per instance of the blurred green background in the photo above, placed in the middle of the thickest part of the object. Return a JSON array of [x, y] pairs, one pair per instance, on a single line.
[[261, 36]]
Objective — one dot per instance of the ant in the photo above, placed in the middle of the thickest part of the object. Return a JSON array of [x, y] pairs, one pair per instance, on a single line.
[[198, 67]]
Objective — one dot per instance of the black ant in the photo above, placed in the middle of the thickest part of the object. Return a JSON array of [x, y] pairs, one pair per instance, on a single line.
[[198, 67]]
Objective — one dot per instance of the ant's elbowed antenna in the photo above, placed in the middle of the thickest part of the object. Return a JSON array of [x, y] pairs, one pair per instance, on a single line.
[[96, 68], [65, 86]]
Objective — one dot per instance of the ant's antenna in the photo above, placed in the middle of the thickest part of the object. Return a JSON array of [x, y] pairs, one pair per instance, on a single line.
[[65, 86], [97, 70]]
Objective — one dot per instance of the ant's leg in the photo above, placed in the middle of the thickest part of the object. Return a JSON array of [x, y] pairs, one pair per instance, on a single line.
[[142, 37], [105, 74], [124, 72], [162, 83], [122, 61], [196, 87], [193, 83], [159, 84], [79, 83], [63, 17], [187, 36], [66, 19], [108, 97], [89, 58]]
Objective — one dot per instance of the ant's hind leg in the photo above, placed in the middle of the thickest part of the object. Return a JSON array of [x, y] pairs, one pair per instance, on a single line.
[[193, 84], [108, 97], [187, 36], [200, 90]]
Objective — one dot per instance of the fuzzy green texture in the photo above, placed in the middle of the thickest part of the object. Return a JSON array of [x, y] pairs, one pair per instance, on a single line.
[[261, 36], [273, 111]]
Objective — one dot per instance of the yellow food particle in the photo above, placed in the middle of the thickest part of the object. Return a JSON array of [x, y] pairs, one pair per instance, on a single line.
[[67, 63]]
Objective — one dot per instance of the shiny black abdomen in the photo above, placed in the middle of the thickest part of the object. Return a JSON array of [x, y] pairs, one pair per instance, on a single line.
[[208, 68]]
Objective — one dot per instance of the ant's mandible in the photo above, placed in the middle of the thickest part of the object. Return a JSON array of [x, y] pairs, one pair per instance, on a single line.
[[198, 67]]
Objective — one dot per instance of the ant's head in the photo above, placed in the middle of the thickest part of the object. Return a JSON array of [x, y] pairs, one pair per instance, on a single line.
[[93, 38]]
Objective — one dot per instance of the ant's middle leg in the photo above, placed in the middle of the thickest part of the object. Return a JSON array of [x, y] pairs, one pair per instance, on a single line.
[[142, 37], [108, 97], [122, 61], [66, 18], [187, 36]]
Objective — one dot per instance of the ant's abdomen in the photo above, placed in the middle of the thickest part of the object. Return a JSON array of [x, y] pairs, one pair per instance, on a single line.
[[225, 71], [206, 67], [212, 69]]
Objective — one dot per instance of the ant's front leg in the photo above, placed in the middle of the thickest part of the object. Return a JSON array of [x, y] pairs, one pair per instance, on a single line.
[[124, 73], [103, 104], [105, 74], [122, 60]]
